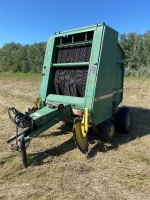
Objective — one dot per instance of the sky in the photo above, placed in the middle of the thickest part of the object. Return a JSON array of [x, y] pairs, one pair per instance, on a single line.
[[33, 21]]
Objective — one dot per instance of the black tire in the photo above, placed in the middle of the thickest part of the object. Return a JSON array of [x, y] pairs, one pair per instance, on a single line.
[[108, 131], [123, 120]]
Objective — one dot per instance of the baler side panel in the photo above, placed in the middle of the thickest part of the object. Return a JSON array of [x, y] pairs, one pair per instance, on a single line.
[[102, 109]]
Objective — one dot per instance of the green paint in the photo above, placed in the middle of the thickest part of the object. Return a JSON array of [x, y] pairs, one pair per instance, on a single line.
[[105, 78]]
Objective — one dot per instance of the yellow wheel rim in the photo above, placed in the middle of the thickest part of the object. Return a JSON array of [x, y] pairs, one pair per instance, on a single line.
[[81, 141], [111, 131]]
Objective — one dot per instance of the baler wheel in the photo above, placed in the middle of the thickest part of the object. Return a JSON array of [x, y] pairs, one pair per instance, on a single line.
[[123, 120], [108, 131], [80, 140]]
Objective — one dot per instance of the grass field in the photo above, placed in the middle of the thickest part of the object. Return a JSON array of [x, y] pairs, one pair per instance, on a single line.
[[119, 170]]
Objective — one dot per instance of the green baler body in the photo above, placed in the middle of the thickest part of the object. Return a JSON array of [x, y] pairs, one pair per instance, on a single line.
[[99, 57]]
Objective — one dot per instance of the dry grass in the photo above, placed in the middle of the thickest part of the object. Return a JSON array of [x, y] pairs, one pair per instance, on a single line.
[[116, 170]]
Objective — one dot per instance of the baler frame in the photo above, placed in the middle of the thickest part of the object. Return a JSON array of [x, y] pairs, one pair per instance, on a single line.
[[82, 78]]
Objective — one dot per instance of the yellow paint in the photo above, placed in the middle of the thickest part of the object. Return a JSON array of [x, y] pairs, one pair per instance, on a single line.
[[81, 141], [37, 103], [84, 123]]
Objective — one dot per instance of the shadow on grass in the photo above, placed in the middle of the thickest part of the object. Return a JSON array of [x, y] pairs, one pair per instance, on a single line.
[[38, 158], [69, 145], [140, 128]]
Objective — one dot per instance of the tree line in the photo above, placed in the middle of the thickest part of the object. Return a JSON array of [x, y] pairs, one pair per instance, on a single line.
[[137, 53], [15, 57]]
